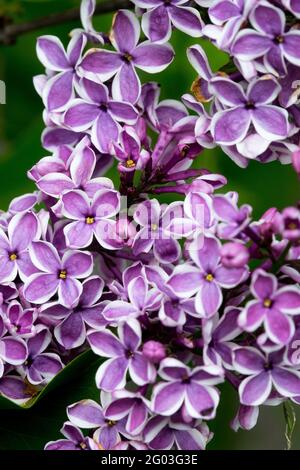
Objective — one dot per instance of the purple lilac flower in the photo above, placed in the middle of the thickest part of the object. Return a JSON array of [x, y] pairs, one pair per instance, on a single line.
[[22, 229], [87, 414], [231, 126], [100, 113], [91, 217], [56, 275], [19, 321], [40, 366], [131, 405], [264, 372], [71, 331], [233, 219], [12, 350], [192, 389], [129, 151], [124, 356], [121, 64], [271, 307], [59, 89], [162, 433], [291, 223], [206, 278], [161, 15], [75, 440], [154, 231], [268, 40], [56, 179], [218, 334]]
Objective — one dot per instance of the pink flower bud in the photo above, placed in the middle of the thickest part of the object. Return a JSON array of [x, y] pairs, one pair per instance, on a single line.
[[154, 351], [234, 255]]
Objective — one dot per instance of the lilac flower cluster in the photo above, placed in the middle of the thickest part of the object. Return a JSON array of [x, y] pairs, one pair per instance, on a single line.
[[174, 298]]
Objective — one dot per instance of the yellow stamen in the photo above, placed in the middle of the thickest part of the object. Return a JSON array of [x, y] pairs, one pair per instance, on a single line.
[[89, 220], [267, 303], [13, 257], [154, 227], [209, 277], [63, 275], [83, 445], [130, 164], [292, 226]]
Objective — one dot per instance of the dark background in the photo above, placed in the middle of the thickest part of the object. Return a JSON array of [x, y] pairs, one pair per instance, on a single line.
[[21, 125]]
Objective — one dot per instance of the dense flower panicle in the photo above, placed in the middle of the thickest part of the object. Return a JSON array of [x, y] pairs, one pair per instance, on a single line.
[[174, 298]]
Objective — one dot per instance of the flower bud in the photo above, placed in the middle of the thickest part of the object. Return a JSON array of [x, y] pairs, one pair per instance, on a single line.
[[296, 161], [234, 255], [154, 351]]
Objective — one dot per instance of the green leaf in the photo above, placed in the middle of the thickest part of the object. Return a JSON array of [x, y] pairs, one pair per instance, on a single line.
[[290, 422], [31, 427], [63, 377]]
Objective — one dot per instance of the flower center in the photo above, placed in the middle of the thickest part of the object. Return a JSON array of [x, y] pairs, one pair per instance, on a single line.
[[209, 277], [83, 445], [103, 107], [13, 256], [184, 151], [127, 57], [267, 303], [111, 423], [279, 39], [89, 220], [62, 274], [292, 226], [250, 105], [154, 227], [130, 163]]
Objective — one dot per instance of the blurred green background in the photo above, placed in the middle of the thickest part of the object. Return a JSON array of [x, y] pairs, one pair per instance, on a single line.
[[21, 125]]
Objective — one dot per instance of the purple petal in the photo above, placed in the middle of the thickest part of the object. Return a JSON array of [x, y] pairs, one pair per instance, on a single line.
[[125, 31], [58, 91], [268, 20], [208, 256], [271, 122], [76, 205], [291, 47], [44, 256], [141, 370], [126, 85], [78, 264], [71, 332], [105, 131], [69, 291], [156, 24], [22, 229], [229, 277], [252, 317], [124, 112], [106, 203], [168, 398], [111, 375], [80, 115], [287, 300], [86, 414], [231, 126], [263, 284], [279, 327], [263, 90], [248, 361], [208, 299], [13, 350], [201, 402], [41, 287], [119, 310], [287, 382], [153, 58], [250, 44], [54, 184], [101, 62], [227, 91], [256, 389], [185, 281], [186, 19], [166, 250], [104, 343], [50, 52]]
